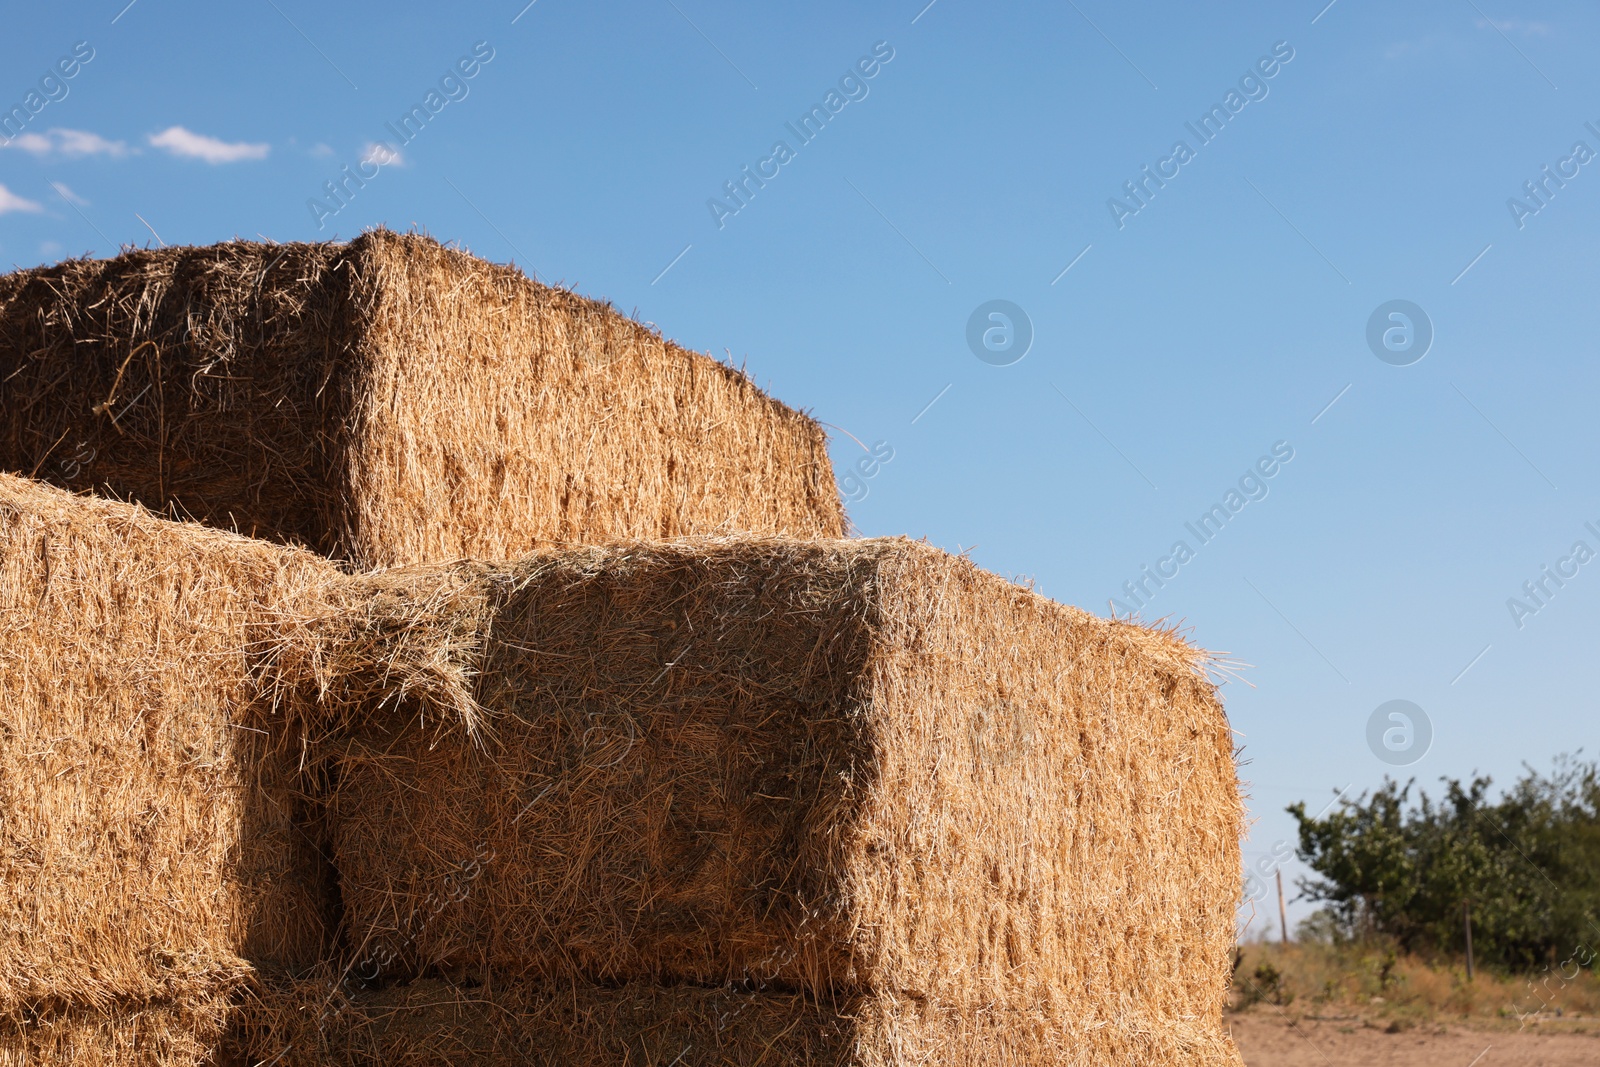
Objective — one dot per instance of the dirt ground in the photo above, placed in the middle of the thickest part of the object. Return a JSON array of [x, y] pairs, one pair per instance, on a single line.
[[1270, 1038]]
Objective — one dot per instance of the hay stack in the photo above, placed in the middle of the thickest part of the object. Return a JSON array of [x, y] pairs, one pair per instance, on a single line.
[[388, 401], [861, 772], [155, 843]]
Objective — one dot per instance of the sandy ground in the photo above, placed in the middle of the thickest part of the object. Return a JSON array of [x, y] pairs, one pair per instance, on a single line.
[[1270, 1039]]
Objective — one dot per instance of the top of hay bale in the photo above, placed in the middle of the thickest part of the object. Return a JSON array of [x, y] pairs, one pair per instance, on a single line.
[[389, 401]]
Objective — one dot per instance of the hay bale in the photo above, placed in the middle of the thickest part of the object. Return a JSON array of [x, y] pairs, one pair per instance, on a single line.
[[156, 842], [851, 768], [431, 1023], [186, 1035], [388, 401]]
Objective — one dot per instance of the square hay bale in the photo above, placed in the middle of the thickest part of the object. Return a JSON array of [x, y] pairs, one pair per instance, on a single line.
[[431, 1023], [180, 1035], [850, 768], [388, 401], [156, 845]]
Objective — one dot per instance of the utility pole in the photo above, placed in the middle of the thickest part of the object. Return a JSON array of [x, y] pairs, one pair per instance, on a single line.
[[1466, 925], [1283, 913]]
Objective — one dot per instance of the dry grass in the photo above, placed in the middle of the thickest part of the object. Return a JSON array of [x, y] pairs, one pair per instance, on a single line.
[[388, 401], [854, 768], [1373, 979], [155, 840]]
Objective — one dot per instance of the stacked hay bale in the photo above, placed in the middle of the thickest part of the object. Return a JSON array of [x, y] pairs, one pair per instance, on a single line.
[[388, 401], [832, 802], [156, 843], [717, 788]]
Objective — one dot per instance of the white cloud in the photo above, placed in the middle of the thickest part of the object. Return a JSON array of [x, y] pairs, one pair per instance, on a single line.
[[10, 201], [1425, 45], [68, 195], [380, 153], [182, 142], [1434, 42], [84, 143], [37, 143], [1532, 29], [321, 151], [69, 143]]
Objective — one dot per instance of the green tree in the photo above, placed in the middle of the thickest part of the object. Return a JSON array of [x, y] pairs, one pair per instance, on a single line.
[[1528, 862]]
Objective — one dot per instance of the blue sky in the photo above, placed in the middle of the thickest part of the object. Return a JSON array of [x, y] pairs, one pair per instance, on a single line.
[[978, 162]]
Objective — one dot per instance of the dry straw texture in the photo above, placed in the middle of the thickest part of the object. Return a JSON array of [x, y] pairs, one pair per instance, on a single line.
[[186, 1035], [388, 401], [155, 845], [431, 1023], [854, 768]]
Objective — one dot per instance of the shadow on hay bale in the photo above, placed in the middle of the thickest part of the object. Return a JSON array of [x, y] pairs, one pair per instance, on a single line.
[[388, 401]]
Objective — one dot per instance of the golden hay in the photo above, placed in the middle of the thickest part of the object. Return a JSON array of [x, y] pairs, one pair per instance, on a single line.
[[388, 401], [431, 1023], [155, 845], [142, 1036], [853, 768]]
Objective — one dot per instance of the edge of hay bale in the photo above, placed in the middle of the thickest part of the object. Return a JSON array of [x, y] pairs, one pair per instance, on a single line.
[[169, 1034]]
